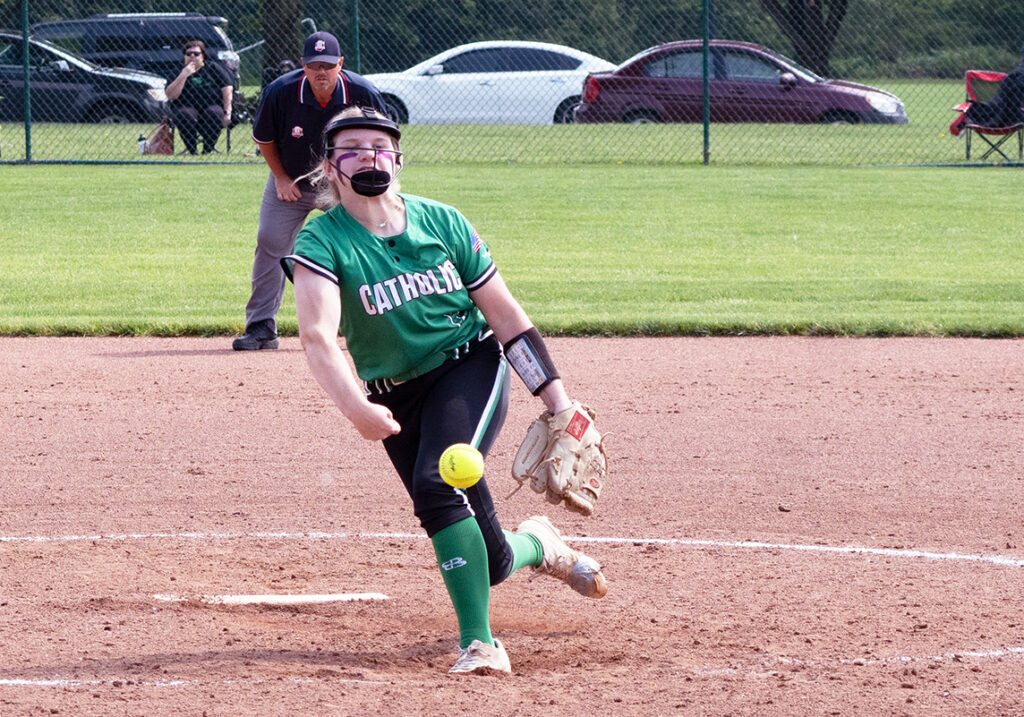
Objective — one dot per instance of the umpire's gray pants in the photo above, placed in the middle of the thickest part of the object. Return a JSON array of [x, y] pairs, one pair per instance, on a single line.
[[275, 239]]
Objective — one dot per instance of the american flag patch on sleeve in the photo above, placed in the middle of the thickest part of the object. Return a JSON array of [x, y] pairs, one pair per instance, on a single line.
[[477, 242]]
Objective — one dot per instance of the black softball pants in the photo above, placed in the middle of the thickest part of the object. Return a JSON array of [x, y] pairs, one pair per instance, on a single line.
[[465, 400]]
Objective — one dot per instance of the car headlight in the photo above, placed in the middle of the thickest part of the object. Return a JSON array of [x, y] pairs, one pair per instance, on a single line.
[[229, 58], [157, 94], [883, 103]]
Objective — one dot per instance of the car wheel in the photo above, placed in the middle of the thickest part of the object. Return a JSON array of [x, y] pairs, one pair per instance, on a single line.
[[395, 109], [642, 117], [113, 113], [566, 112], [838, 117]]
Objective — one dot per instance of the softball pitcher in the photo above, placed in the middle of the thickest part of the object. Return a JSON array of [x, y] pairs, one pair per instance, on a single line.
[[428, 321]]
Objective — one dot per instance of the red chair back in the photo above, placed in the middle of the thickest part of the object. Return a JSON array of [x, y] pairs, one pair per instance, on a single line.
[[982, 85]]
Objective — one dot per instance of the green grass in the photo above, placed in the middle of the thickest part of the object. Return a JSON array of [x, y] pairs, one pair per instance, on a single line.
[[167, 250]]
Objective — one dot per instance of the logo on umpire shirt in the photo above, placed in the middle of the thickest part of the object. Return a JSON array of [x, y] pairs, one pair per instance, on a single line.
[[296, 131]]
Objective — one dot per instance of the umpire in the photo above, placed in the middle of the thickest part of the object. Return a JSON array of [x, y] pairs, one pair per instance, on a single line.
[[289, 120]]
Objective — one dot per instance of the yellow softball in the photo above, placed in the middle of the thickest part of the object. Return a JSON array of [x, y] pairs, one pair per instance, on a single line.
[[461, 465]]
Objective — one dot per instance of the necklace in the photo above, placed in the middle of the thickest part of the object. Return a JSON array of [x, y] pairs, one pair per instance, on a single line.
[[388, 216]]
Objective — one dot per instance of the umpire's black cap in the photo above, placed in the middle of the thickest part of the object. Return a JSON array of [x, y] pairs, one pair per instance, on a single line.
[[321, 47]]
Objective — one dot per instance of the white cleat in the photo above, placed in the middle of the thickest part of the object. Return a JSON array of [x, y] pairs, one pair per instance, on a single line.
[[581, 573], [480, 657]]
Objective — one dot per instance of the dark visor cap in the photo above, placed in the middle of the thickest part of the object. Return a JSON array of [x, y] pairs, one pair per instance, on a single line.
[[369, 120]]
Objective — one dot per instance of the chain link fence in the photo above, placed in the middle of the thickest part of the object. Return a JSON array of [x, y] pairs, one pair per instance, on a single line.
[[896, 70]]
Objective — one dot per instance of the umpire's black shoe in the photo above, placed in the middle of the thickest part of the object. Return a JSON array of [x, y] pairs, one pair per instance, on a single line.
[[259, 335]]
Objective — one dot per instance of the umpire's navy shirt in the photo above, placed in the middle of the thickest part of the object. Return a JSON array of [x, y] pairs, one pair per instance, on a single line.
[[289, 115]]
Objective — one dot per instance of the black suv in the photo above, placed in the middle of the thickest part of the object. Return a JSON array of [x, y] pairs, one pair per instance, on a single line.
[[143, 41], [66, 88]]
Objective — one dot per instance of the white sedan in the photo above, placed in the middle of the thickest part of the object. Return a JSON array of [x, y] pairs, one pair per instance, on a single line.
[[511, 82]]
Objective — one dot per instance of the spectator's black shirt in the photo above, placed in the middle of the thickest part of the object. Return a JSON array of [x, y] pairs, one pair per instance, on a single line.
[[1011, 97], [289, 115], [204, 88]]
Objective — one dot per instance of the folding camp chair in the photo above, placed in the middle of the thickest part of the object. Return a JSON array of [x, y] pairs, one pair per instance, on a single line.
[[981, 86], [239, 116], [241, 113]]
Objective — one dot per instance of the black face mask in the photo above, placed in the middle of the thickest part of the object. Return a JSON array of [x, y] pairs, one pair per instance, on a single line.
[[371, 182]]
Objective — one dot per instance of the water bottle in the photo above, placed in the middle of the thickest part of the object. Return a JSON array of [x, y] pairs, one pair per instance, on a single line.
[[143, 144]]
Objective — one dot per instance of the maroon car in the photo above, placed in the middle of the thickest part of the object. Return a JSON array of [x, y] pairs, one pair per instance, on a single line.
[[747, 83]]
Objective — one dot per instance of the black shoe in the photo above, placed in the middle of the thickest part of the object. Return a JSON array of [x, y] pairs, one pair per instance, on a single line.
[[260, 335]]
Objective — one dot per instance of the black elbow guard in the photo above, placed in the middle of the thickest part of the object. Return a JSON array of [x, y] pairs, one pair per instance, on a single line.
[[531, 360]]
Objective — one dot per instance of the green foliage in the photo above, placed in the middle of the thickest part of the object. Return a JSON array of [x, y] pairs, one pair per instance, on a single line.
[[941, 38], [877, 38], [623, 250], [944, 63]]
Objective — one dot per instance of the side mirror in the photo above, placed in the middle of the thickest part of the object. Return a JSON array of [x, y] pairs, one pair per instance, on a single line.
[[787, 80], [435, 70]]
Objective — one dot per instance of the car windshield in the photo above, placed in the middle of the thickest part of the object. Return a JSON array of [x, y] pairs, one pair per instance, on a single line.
[[63, 54], [637, 56], [797, 68]]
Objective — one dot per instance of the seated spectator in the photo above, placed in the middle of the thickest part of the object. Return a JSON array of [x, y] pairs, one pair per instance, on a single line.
[[272, 73], [200, 97], [1004, 109]]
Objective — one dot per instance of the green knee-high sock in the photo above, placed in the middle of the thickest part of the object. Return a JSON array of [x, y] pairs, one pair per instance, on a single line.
[[526, 550], [462, 556]]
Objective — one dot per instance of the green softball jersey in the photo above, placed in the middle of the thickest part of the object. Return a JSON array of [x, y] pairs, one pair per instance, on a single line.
[[405, 305]]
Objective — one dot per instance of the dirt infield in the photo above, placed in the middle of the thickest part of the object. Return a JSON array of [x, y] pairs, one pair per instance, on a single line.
[[791, 526]]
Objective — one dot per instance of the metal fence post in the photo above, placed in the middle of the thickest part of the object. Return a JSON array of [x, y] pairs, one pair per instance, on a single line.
[[707, 86], [356, 55], [26, 89]]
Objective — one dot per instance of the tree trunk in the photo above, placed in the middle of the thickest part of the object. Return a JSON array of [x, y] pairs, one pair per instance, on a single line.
[[282, 32], [811, 26]]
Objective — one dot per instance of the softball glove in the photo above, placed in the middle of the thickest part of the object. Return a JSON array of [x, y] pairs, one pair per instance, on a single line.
[[563, 457]]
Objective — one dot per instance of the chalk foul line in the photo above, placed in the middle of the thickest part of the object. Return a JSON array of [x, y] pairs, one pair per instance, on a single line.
[[127, 683], [1008, 561], [273, 598], [847, 549]]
